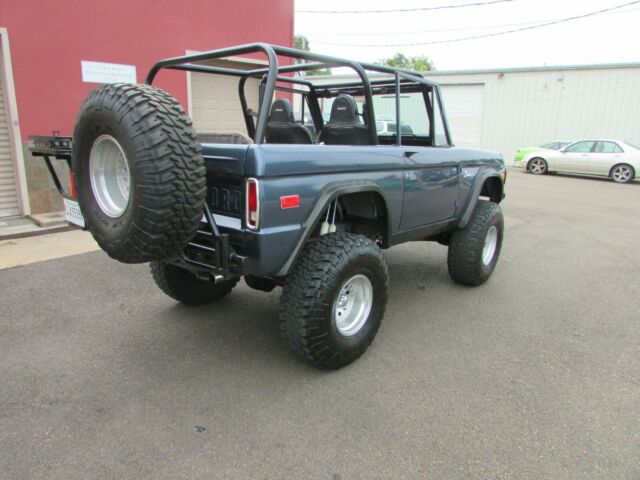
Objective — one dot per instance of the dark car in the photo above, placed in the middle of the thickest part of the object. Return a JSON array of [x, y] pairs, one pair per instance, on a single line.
[[278, 204]]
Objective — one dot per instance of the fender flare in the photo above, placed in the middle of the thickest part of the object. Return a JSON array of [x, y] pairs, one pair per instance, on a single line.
[[474, 194], [327, 195]]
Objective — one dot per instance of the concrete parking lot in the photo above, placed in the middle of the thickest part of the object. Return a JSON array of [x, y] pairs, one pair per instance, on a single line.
[[534, 375]]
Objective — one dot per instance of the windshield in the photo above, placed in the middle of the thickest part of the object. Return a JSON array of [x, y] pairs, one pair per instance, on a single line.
[[633, 145], [555, 145]]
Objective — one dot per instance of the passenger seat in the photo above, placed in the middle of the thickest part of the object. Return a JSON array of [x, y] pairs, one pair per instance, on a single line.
[[282, 128]]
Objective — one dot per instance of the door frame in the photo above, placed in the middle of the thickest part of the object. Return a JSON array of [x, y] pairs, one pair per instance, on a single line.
[[15, 137]]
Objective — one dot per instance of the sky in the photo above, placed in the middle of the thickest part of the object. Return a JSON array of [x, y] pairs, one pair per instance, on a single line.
[[604, 38]]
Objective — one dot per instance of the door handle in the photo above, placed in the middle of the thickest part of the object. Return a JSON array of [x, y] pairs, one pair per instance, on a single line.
[[409, 154]]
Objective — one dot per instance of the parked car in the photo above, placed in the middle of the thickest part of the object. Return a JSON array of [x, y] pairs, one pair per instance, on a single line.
[[385, 127], [279, 207], [522, 152], [617, 159]]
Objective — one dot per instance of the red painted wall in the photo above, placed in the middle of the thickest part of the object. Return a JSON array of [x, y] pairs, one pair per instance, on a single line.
[[49, 39]]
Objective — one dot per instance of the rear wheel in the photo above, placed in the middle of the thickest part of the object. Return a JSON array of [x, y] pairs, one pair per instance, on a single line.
[[185, 287], [333, 302], [538, 166], [622, 173], [474, 249], [139, 172]]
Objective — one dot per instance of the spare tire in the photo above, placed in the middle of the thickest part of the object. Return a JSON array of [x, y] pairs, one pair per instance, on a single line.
[[139, 172]]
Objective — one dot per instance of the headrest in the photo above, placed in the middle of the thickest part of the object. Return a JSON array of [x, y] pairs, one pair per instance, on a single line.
[[281, 111], [344, 110]]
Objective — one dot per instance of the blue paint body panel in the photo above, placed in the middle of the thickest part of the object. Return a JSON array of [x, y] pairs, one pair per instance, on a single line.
[[424, 189]]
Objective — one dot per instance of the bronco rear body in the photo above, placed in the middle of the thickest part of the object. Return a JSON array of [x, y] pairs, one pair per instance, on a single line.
[[417, 186], [304, 198]]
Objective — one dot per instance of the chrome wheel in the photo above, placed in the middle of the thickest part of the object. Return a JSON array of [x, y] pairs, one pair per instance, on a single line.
[[490, 245], [538, 166], [622, 174], [353, 305], [109, 175]]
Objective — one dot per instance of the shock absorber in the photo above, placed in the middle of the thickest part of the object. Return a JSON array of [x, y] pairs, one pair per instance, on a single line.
[[329, 226]]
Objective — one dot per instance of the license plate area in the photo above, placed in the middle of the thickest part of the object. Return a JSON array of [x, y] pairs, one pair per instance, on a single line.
[[73, 213], [224, 195]]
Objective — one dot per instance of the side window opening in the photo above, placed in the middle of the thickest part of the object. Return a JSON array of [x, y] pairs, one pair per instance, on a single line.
[[607, 147], [415, 112], [440, 135], [580, 147]]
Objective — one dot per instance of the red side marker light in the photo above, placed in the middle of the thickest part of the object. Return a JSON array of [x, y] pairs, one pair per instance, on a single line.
[[290, 201], [72, 186]]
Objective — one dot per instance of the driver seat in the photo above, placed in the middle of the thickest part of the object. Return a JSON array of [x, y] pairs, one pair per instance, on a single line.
[[281, 126], [344, 127]]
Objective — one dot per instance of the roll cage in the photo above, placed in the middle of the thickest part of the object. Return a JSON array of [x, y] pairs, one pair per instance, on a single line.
[[274, 77]]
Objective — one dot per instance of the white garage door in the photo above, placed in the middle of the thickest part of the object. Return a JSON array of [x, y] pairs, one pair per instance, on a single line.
[[215, 103], [8, 193], [464, 105]]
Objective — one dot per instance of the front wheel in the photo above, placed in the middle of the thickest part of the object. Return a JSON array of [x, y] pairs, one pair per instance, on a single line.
[[333, 302], [622, 173], [538, 166], [183, 286], [474, 249]]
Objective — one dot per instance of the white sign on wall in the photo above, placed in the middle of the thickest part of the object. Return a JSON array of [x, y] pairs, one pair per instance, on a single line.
[[100, 72]]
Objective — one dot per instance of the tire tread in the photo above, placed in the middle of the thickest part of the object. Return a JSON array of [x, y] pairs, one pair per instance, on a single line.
[[302, 302], [171, 194]]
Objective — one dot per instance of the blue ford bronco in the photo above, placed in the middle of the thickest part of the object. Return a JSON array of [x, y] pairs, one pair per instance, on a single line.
[[295, 201]]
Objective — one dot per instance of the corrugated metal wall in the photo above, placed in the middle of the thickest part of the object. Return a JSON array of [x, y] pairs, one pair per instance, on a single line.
[[534, 107], [8, 194], [538, 105]]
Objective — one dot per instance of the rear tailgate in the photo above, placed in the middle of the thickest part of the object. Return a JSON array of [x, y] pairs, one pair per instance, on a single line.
[[225, 183]]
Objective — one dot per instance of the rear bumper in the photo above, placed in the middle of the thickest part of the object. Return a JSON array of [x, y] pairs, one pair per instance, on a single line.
[[259, 253]]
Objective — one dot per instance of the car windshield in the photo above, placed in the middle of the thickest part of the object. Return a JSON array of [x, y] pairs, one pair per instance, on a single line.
[[555, 145], [633, 145]]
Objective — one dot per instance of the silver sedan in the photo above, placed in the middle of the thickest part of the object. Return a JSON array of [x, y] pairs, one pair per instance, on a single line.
[[616, 159]]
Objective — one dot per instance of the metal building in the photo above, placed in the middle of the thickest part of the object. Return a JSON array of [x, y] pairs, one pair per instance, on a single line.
[[503, 109]]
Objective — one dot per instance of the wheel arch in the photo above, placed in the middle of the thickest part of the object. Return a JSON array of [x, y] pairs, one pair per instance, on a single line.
[[366, 197], [532, 158], [487, 184], [633, 169]]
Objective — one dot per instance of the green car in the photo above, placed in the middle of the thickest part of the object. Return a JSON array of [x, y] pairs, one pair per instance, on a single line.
[[524, 151]]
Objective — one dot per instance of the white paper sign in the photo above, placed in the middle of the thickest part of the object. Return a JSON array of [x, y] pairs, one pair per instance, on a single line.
[[100, 72]]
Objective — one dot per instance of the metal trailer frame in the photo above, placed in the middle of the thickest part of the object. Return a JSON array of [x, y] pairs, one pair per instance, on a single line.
[[274, 73]]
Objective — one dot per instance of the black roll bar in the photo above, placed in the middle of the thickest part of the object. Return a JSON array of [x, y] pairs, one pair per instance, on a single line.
[[270, 75]]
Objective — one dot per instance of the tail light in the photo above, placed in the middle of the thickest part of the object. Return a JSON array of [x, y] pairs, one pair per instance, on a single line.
[[253, 204], [72, 186]]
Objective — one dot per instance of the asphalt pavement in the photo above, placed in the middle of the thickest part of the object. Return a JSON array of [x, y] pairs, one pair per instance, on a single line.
[[535, 375]]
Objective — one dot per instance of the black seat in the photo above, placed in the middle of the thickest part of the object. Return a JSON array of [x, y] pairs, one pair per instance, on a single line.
[[282, 128], [343, 127]]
